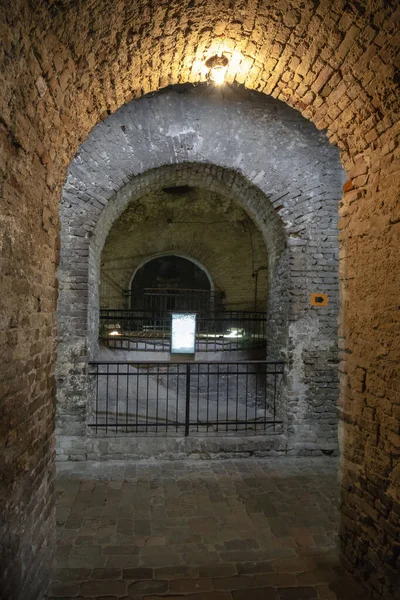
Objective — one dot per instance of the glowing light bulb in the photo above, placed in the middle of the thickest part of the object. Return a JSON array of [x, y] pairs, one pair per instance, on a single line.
[[217, 75], [217, 66]]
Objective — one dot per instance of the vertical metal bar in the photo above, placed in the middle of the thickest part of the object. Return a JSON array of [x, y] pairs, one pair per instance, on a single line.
[[237, 393], [116, 401], [137, 395], [198, 396], [217, 395], [265, 394], [147, 397], [187, 413], [107, 386], [208, 395], [177, 398], [158, 371], [97, 395], [166, 404], [227, 397], [127, 398], [256, 393], [246, 393]]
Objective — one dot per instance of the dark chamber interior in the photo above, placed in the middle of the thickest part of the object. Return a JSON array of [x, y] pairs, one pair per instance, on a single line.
[[170, 272]]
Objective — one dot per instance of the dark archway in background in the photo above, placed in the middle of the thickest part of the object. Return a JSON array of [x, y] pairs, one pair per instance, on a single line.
[[169, 282], [171, 272]]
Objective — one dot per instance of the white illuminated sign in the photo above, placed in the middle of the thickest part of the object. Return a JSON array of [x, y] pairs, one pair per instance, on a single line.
[[183, 333]]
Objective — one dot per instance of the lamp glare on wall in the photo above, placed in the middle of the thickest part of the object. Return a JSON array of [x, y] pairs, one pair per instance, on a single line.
[[217, 67]]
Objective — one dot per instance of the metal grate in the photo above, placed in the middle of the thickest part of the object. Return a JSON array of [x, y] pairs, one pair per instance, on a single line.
[[164, 300], [185, 398], [160, 299]]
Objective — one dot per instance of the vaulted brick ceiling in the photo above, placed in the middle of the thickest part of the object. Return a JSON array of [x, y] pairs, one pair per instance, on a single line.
[[332, 60]]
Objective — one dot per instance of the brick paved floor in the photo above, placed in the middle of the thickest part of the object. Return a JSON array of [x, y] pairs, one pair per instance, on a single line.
[[244, 529]]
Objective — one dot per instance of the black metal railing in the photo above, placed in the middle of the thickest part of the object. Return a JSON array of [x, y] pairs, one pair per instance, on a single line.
[[171, 299], [163, 299], [151, 331], [185, 398]]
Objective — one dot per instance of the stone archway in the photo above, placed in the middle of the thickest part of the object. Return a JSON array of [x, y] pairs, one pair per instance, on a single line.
[[294, 206]]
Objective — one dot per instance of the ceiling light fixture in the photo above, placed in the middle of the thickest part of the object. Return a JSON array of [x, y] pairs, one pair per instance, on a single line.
[[217, 67]]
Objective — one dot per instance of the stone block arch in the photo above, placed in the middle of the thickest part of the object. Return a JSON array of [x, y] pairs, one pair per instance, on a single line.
[[277, 167]]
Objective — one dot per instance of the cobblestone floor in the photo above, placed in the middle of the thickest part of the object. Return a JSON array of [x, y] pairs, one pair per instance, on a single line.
[[245, 529]]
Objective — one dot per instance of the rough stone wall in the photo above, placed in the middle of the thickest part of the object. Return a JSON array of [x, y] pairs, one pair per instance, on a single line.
[[200, 225], [66, 66]]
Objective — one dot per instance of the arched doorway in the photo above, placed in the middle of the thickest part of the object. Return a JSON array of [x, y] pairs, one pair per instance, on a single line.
[[298, 228]]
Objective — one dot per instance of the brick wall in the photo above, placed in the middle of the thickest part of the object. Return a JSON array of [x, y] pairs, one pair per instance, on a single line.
[[65, 67]]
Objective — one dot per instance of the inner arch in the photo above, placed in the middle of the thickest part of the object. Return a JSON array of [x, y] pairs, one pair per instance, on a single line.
[[171, 271], [170, 282]]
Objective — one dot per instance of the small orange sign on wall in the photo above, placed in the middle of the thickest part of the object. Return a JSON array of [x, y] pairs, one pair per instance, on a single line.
[[319, 299]]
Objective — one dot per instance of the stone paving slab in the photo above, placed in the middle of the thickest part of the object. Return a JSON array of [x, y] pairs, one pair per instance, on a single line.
[[209, 530]]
